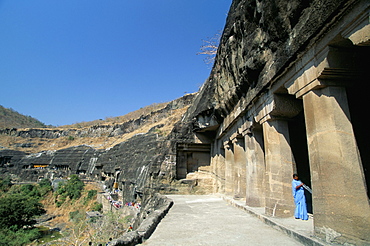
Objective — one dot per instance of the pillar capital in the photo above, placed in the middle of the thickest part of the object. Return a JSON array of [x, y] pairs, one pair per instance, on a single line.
[[332, 66], [227, 144], [278, 106], [236, 137], [245, 128], [329, 77]]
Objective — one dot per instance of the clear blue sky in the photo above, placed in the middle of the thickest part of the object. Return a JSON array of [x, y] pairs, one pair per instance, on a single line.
[[70, 61]]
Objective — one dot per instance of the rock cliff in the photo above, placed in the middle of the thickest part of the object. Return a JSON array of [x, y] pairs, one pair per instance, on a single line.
[[136, 150], [260, 39]]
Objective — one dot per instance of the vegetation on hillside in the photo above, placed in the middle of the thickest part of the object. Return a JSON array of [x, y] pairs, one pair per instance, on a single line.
[[79, 198], [9, 118], [19, 205], [22, 204], [71, 189]]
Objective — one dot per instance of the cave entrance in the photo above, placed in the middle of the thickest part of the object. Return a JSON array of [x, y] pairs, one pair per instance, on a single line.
[[298, 144], [4, 160], [190, 156], [357, 99]]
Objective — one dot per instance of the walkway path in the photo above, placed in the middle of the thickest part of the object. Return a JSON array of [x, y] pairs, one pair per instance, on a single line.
[[209, 220]]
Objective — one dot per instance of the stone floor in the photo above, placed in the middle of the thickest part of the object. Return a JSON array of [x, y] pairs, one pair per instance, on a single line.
[[215, 220]]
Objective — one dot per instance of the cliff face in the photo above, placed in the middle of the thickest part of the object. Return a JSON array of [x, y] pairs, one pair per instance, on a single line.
[[136, 151], [260, 38], [287, 76], [98, 136]]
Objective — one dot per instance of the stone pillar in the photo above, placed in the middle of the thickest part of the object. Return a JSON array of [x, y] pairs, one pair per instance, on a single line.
[[255, 170], [229, 162], [181, 165], [340, 201], [279, 168], [239, 167], [218, 167]]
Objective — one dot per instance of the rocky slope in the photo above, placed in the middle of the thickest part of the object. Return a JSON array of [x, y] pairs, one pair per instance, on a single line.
[[100, 135], [129, 153]]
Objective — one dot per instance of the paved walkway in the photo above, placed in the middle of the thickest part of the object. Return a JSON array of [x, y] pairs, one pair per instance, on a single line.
[[210, 220]]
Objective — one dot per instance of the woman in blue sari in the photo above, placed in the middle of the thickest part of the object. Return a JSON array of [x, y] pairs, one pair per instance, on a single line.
[[299, 199]]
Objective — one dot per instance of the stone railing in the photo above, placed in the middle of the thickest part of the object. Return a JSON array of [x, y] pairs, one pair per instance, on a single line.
[[148, 225]]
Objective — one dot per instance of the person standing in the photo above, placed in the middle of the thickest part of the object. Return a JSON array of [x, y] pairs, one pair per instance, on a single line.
[[299, 199]]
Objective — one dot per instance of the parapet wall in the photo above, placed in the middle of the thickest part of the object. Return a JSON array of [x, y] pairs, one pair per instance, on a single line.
[[155, 209]]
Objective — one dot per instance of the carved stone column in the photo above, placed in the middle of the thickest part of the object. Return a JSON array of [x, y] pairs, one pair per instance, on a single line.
[[279, 168], [239, 167], [218, 163], [341, 205], [255, 193], [273, 113], [229, 162]]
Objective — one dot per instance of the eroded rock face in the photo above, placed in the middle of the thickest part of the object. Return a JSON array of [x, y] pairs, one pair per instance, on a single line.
[[260, 38], [284, 65], [130, 163]]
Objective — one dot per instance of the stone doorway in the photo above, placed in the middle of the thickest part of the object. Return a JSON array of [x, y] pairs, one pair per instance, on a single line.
[[190, 157], [357, 102], [298, 143]]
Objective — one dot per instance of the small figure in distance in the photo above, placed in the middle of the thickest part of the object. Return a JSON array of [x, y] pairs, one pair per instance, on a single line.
[[299, 199]]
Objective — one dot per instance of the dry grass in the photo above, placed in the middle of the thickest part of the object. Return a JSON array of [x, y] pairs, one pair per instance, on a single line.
[[62, 213], [43, 144]]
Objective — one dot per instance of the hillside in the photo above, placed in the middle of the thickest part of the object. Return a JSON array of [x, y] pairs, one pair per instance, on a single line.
[[10, 118], [99, 134]]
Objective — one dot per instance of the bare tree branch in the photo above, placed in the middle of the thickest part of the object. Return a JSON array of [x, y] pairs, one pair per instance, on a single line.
[[210, 47]]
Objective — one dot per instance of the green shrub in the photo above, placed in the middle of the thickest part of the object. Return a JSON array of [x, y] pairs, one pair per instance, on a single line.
[[97, 206], [20, 237], [72, 189], [45, 186], [77, 216], [5, 183], [91, 194]]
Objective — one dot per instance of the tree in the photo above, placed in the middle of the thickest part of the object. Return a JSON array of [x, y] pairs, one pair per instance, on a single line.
[[17, 211], [209, 48]]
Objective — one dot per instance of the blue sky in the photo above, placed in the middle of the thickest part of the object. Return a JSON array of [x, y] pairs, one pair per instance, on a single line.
[[69, 61]]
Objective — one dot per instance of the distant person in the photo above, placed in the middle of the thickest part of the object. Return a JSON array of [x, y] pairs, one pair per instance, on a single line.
[[299, 199]]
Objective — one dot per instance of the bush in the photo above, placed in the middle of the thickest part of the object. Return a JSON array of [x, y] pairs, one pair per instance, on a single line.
[[19, 205], [91, 194], [35, 191], [77, 216], [20, 237], [45, 186], [72, 189], [97, 206], [30, 190], [5, 183]]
